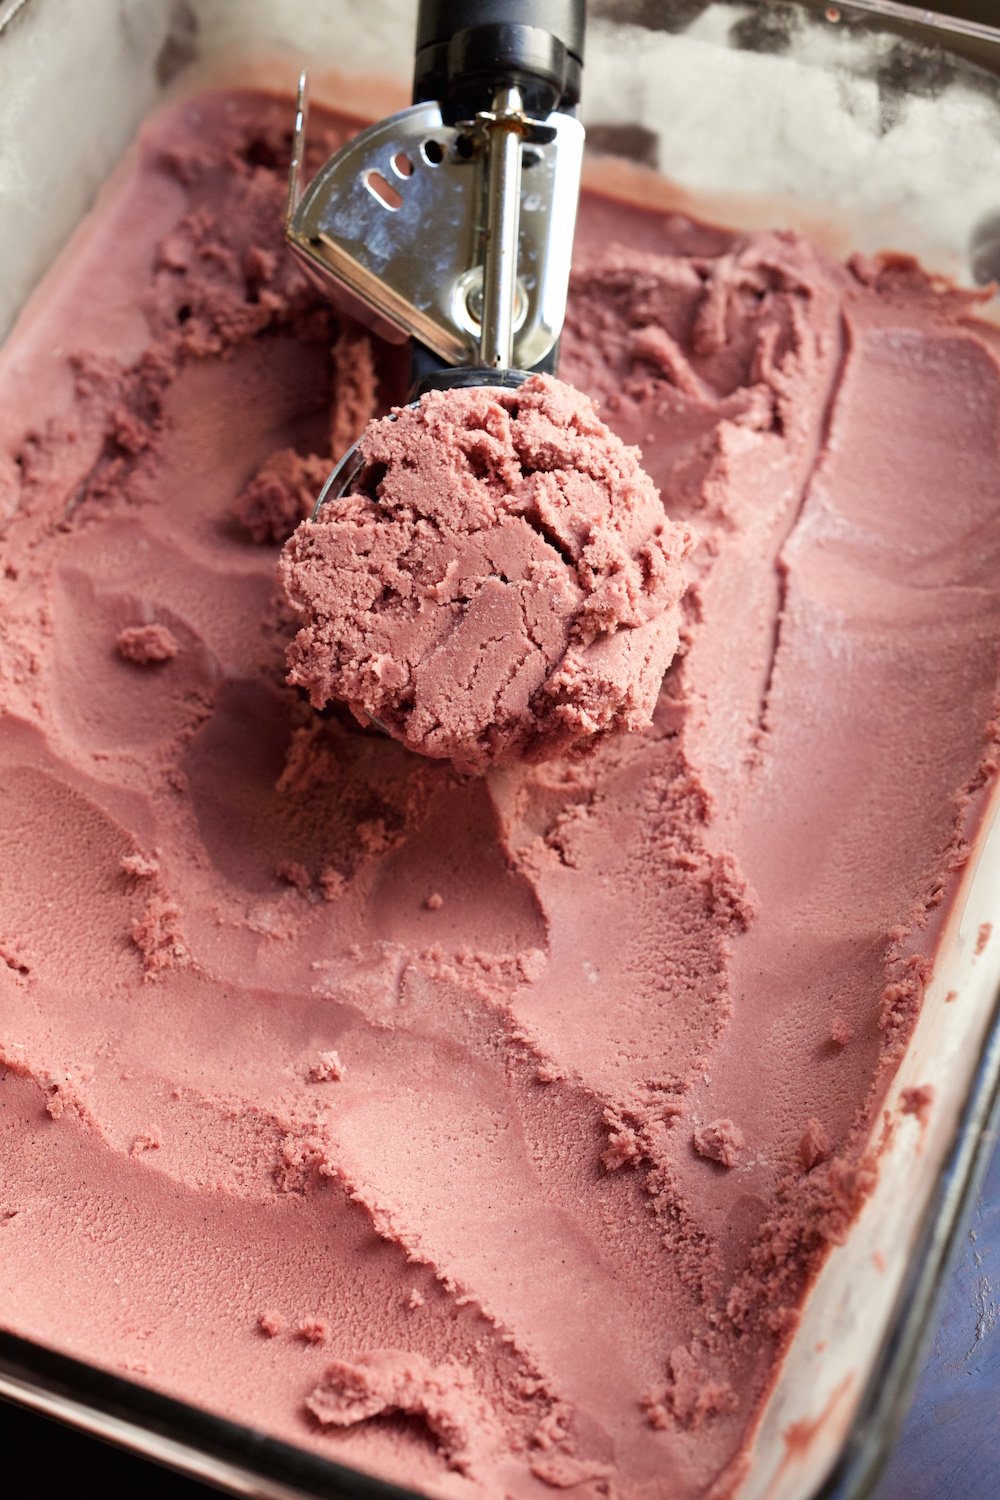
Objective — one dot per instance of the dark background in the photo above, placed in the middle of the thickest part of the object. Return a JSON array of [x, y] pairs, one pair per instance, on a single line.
[[987, 11], [949, 1448]]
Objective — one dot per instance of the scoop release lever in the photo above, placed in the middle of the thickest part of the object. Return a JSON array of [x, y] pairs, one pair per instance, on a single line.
[[451, 222]]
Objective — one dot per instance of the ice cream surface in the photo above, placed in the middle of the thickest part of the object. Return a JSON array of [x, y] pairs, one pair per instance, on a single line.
[[481, 1131], [500, 585]]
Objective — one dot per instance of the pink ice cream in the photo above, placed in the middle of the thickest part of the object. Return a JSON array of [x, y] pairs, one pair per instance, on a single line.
[[484, 1132], [502, 584]]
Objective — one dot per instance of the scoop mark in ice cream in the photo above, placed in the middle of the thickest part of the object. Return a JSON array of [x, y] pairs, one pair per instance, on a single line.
[[503, 584]]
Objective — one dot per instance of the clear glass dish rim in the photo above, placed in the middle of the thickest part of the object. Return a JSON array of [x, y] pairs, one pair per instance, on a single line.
[[898, 10], [224, 1453]]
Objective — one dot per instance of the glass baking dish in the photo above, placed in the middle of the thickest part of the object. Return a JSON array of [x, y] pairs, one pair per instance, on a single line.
[[867, 125]]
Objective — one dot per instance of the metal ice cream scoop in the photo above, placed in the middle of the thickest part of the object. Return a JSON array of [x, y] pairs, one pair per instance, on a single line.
[[451, 223]]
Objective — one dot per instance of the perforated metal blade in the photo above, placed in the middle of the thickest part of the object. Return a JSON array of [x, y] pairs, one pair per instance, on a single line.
[[396, 219]]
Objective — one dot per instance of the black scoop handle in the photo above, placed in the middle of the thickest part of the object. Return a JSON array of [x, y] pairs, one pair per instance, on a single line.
[[465, 49]]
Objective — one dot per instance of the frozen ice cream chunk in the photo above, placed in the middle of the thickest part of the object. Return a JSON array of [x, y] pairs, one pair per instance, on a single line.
[[503, 585]]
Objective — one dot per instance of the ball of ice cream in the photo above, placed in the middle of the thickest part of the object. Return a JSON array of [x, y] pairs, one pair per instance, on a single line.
[[502, 585]]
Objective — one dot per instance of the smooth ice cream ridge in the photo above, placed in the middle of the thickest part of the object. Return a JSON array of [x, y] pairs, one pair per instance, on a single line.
[[503, 583]]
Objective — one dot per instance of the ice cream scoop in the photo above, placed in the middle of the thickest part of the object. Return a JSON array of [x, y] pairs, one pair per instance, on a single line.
[[451, 223], [474, 591], [500, 583], [487, 302]]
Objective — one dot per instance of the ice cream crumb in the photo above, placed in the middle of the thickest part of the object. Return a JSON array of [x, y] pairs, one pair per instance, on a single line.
[[983, 937], [147, 645], [553, 1429], [56, 1102], [281, 494], [720, 1141], [327, 1068], [415, 1299], [814, 1144], [841, 1031], [687, 1396], [624, 1147], [434, 901], [918, 1101], [950, 997], [270, 1324], [384, 1381], [64, 1094], [902, 996], [140, 866], [531, 964], [145, 1142], [300, 1161], [332, 883], [158, 936], [293, 873], [313, 1331]]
